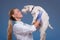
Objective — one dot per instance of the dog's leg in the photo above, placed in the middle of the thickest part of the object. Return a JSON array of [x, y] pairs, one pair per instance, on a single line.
[[43, 30], [43, 36]]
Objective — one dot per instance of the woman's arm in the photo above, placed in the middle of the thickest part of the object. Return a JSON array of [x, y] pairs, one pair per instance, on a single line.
[[19, 28], [36, 23]]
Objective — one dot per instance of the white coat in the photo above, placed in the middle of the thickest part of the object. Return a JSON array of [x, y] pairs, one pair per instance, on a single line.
[[23, 31]]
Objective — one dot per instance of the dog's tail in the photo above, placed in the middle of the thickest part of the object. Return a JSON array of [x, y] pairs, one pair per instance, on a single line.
[[50, 26]]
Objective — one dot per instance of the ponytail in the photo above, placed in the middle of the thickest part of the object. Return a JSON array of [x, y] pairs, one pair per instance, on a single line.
[[11, 18], [9, 30]]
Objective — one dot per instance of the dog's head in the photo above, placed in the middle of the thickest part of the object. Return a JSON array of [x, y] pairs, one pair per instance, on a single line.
[[27, 8], [33, 9]]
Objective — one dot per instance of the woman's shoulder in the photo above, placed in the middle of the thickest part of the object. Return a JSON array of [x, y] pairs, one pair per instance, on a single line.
[[18, 23]]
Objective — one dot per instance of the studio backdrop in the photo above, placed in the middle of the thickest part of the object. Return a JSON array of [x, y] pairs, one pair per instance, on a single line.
[[52, 7]]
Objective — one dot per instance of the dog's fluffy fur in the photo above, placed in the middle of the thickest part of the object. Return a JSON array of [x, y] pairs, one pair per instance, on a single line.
[[45, 18]]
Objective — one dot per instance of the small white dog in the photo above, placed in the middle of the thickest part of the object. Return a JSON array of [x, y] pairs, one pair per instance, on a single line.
[[35, 10]]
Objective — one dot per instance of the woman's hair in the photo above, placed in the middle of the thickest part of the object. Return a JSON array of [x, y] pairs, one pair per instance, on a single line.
[[11, 18]]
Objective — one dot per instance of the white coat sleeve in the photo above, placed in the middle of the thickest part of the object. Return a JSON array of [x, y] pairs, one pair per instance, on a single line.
[[25, 28], [29, 28]]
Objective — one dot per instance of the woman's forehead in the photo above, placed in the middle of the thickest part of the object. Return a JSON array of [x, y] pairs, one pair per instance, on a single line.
[[17, 11]]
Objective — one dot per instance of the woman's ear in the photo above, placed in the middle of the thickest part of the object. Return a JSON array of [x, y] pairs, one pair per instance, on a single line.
[[13, 16]]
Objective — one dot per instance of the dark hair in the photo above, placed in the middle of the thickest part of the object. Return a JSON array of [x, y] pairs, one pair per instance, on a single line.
[[11, 12]]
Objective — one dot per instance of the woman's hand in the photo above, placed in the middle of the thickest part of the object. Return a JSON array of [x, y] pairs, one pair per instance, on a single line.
[[37, 23]]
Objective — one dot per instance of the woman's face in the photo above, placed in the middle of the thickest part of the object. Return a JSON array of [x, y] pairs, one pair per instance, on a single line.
[[17, 13]]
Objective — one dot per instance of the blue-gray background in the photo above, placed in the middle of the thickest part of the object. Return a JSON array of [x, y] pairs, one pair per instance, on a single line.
[[51, 6]]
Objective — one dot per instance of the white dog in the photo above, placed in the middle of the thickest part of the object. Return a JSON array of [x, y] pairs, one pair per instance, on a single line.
[[35, 10]]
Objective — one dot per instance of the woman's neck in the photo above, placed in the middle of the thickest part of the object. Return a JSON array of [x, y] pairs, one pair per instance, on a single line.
[[18, 19]]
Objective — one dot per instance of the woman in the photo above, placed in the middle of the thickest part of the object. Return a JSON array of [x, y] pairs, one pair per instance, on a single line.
[[21, 30]]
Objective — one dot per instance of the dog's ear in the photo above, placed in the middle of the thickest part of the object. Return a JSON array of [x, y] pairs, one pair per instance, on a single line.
[[29, 7]]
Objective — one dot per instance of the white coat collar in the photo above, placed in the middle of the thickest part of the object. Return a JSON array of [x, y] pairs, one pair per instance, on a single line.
[[18, 22]]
